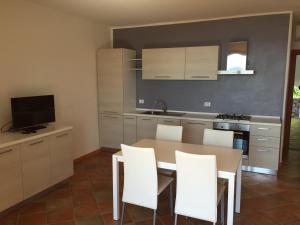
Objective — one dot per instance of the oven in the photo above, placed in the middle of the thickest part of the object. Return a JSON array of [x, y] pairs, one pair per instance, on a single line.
[[241, 135]]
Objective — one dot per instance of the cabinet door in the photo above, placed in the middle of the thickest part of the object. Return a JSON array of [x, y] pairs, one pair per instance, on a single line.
[[264, 157], [110, 84], [11, 179], [169, 121], [61, 156], [146, 127], [35, 166], [111, 130], [202, 63], [193, 130], [163, 63], [129, 130]]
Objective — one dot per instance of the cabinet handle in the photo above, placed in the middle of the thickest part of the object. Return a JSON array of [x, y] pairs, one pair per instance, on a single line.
[[36, 143], [200, 76], [62, 135], [168, 121], [6, 151], [146, 119], [263, 128], [162, 76], [111, 117], [193, 123], [262, 139], [129, 118], [110, 112], [262, 150]]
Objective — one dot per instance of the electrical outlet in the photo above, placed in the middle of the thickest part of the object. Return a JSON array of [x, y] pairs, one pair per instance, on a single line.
[[141, 101], [207, 104]]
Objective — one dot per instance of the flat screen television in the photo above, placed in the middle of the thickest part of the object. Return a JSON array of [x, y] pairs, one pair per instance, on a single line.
[[29, 112]]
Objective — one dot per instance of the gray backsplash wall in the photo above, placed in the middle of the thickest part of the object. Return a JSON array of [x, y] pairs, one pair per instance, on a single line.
[[259, 94]]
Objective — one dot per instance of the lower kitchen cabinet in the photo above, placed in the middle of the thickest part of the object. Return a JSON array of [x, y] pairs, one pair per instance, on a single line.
[[35, 157], [129, 130], [193, 130], [61, 156], [111, 130], [169, 121], [264, 157], [11, 191], [146, 127]]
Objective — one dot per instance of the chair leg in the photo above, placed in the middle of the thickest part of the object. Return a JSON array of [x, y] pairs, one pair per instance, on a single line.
[[171, 199], [123, 213], [223, 210], [154, 216], [175, 219]]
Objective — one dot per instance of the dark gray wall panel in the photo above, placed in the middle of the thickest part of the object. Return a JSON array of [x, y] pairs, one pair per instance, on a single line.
[[259, 94]]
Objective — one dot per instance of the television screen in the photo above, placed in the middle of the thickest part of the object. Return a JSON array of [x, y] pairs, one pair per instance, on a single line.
[[32, 111]]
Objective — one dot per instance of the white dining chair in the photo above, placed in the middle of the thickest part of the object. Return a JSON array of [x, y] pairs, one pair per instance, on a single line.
[[142, 185], [221, 138], [168, 133], [197, 190]]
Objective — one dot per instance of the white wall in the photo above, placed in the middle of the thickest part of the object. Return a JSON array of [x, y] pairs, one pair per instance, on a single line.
[[44, 51]]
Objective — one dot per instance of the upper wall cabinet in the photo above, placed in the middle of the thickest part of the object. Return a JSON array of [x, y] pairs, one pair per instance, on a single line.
[[191, 63], [163, 63], [202, 63]]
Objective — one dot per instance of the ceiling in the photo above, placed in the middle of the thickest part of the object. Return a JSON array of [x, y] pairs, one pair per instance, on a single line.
[[139, 12]]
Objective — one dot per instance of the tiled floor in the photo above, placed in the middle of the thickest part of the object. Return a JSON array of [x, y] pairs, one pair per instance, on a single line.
[[86, 199]]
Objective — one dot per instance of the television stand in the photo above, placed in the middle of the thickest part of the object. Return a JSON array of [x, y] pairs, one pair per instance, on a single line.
[[30, 130]]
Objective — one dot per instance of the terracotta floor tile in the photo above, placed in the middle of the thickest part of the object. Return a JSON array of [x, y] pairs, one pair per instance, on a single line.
[[60, 215], [33, 219], [33, 207], [86, 210], [89, 220]]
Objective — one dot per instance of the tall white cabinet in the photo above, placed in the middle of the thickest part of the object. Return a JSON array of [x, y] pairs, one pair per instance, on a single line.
[[116, 92]]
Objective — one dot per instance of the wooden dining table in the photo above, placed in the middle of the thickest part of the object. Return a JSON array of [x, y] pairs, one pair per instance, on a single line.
[[229, 165]]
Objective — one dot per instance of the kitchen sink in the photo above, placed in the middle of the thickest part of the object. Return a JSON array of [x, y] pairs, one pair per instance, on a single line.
[[163, 113]]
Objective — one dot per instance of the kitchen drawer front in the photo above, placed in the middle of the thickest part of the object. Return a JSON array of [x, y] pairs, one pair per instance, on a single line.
[[146, 127], [169, 121], [193, 130], [264, 157], [265, 130], [261, 141]]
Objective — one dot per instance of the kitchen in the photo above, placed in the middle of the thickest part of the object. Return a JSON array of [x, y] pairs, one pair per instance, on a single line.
[[250, 102]]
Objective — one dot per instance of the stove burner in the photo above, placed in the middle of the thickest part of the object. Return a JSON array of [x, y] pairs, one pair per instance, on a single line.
[[233, 117]]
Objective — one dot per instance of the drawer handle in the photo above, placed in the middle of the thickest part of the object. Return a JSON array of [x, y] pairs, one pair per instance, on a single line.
[[36, 143], [263, 128], [200, 76], [162, 76], [62, 135], [196, 123], [129, 118], [262, 150], [114, 112], [7, 151], [146, 119], [262, 139], [168, 121], [110, 117]]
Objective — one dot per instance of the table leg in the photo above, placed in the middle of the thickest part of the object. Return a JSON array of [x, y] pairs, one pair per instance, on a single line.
[[115, 169], [230, 206], [238, 188]]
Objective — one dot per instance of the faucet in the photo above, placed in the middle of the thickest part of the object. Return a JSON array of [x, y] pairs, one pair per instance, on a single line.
[[163, 104]]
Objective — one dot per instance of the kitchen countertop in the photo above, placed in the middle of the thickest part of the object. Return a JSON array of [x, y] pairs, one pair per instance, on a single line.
[[267, 120]]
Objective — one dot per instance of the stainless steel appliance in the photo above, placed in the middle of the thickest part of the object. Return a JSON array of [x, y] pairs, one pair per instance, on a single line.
[[240, 125]]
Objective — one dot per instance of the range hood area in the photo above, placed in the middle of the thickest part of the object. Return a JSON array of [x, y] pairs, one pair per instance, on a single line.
[[236, 59]]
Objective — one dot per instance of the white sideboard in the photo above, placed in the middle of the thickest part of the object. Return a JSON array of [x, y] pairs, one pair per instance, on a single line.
[[31, 163]]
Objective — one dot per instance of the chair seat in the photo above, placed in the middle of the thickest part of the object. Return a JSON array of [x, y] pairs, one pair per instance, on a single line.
[[163, 182], [165, 172], [221, 188]]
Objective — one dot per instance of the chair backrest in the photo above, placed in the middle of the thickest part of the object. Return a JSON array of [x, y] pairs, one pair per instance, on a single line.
[[140, 176], [169, 132], [196, 189], [218, 138]]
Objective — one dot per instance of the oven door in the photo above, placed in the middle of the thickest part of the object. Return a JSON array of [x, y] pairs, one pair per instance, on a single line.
[[241, 141]]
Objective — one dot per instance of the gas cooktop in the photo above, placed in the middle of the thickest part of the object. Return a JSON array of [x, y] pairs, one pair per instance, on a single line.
[[233, 117]]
